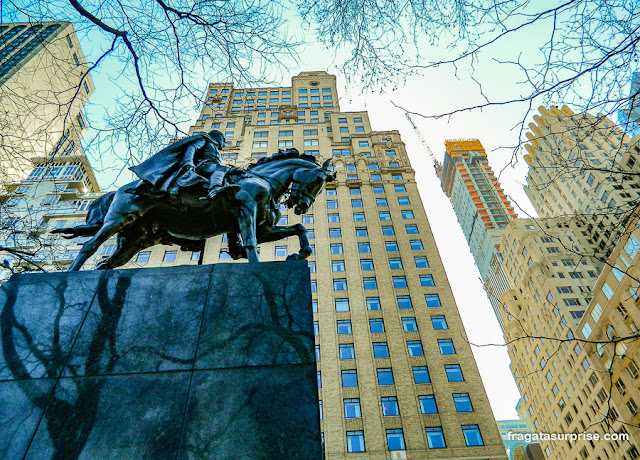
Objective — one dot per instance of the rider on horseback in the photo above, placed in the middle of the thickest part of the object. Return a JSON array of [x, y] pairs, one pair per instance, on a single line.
[[188, 162]]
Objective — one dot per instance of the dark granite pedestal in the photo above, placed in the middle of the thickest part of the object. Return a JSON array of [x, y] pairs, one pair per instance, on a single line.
[[191, 362]]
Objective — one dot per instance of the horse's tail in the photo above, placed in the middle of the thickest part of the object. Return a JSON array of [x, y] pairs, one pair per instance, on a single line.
[[94, 220]]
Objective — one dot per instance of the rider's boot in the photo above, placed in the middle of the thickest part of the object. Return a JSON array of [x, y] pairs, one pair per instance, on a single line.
[[226, 191]]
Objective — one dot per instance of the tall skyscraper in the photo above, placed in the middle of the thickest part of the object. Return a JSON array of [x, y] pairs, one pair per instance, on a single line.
[[56, 194], [394, 371], [629, 117], [396, 375], [582, 183], [612, 316], [44, 84], [582, 166], [481, 206]]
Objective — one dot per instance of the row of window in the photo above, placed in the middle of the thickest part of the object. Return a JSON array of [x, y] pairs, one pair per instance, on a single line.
[[395, 263], [376, 326], [288, 133], [273, 105], [340, 284], [435, 438], [390, 406], [349, 377], [357, 203], [169, 256], [337, 248], [381, 349], [411, 229], [373, 303], [377, 189], [385, 216], [259, 122]]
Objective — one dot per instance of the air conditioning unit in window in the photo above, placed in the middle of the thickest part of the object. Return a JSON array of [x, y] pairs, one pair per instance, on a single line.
[[398, 455]]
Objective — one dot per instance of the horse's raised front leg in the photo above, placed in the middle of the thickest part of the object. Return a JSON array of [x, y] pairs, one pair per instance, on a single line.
[[278, 233], [247, 225], [123, 210], [108, 229]]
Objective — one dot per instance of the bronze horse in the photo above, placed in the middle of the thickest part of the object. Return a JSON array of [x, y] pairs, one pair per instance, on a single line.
[[142, 220]]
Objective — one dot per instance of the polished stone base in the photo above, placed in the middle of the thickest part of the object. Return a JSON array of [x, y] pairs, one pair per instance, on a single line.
[[191, 362]]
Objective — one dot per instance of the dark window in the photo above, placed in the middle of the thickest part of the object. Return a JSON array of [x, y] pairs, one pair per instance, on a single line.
[[373, 303], [391, 245], [340, 284], [346, 351], [446, 347], [336, 248], [170, 256], [366, 264], [395, 263], [352, 408], [427, 280], [415, 348], [337, 265], [409, 324], [143, 257], [472, 435], [404, 301], [454, 373], [421, 262], [462, 402], [380, 350], [349, 378], [344, 326], [399, 282], [376, 325], [342, 304], [370, 283], [411, 229], [421, 374], [390, 406], [433, 300], [435, 438], [395, 439], [439, 322], [416, 244], [428, 404], [385, 376], [355, 441]]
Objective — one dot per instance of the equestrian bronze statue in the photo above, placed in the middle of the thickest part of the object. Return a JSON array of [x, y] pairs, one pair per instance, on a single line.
[[181, 199]]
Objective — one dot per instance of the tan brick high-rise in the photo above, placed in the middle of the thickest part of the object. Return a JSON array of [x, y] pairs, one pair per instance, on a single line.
[[44, 84], [397, 377]]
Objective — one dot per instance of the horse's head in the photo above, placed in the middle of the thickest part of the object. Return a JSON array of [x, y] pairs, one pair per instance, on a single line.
[[307, 184]]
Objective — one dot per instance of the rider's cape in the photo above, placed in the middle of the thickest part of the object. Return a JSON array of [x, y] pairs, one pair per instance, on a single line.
[[165, 167]]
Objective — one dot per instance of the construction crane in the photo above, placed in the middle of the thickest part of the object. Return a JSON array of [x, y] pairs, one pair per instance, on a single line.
[[436, 164]]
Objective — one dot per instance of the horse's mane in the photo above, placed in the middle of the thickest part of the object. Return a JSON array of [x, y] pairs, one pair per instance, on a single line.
[[284, 154]]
